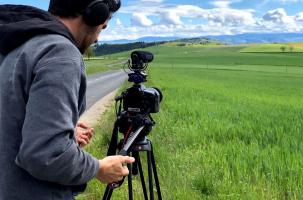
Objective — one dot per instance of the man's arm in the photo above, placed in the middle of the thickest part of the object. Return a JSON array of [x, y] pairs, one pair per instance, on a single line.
[[48, 150]]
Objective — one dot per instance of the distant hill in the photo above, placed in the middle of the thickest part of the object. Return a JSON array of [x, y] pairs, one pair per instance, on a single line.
[[143, 39], [249, 38], [105, 49], [246, 38], [109, 47]]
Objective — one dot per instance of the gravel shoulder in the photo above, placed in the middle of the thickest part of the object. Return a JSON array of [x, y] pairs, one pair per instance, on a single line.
[[93, 114]]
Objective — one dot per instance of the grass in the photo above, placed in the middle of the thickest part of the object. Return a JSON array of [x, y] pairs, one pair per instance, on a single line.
[[102, 64], [230, 125], [238, 134]]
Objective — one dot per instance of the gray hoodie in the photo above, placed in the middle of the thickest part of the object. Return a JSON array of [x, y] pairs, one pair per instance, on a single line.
[[42, 95]]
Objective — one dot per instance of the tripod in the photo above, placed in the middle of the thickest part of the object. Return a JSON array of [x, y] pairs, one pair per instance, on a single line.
[[143, 146]]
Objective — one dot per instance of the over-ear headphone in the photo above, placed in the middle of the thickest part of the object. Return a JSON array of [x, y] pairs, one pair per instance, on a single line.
[[96, 13]]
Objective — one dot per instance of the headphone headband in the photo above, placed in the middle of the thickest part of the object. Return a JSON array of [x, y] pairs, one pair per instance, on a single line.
[[98, 11]]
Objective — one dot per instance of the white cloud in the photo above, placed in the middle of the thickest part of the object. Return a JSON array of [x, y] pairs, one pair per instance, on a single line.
[[171, 17], [299, 17], [278, 16], [118, 22], [289, 1], [224, 3], [231, 17], [140, 19], [264, 2], [162, 19], [279, 20], [172, 30], [149, 8], [277, 3], [189, 10], [221, 4], [174, 15]]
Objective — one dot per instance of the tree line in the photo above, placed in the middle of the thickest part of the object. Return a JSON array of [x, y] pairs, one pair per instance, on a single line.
[[105, 49]]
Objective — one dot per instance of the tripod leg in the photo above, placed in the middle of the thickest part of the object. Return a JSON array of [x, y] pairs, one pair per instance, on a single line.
[[142, 178], [135, 154], [107, 194], [130, 184], [156, 176], [150, 175]]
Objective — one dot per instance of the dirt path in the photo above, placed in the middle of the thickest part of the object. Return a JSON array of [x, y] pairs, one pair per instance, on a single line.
[[91, 116]]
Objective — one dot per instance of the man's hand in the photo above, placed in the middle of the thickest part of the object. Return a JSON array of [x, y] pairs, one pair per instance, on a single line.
[[111, 168], [83, 134]]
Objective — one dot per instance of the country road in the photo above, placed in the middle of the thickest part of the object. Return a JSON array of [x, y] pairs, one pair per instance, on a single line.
[[101, 84]]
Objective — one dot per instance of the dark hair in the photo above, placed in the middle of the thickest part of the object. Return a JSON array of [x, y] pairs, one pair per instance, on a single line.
[[74, 8], [68, 8]]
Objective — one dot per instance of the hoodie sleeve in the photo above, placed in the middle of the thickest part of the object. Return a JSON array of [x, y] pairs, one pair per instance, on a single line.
[[48, 150]]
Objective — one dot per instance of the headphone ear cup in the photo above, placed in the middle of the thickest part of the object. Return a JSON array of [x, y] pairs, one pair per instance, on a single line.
[[96, 14]]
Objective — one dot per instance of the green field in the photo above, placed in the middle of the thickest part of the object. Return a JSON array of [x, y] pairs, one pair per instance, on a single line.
[[102, 64], [230, 125]]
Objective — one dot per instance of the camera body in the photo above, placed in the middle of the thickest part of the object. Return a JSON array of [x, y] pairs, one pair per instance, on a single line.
[[138, 99]]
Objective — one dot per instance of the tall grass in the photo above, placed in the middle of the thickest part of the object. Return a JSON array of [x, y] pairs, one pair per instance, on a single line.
[[233, 134], [222, 133]]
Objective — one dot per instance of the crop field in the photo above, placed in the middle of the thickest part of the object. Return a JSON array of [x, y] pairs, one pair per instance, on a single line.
[[230, 125], [300, 45], [274, 48]]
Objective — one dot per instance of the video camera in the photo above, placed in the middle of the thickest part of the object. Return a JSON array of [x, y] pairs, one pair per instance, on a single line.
[[138, 99]]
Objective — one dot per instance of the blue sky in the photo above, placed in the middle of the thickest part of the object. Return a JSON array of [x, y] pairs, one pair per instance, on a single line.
[[191, 18]]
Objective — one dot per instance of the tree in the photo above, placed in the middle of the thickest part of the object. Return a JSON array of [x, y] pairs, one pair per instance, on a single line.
[[291, 49], [283, 48], [90, 52]]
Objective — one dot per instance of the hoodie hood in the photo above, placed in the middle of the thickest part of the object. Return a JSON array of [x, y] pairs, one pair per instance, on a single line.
[[20, 23]]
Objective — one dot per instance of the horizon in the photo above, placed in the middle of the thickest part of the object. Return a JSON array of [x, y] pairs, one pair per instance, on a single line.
[[193, 18], [211, 37]]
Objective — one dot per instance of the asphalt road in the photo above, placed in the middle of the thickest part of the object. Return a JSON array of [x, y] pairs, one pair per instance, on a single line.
[[99, 85]]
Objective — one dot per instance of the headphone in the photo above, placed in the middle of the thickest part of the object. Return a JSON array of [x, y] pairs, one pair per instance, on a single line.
[[98, 11]]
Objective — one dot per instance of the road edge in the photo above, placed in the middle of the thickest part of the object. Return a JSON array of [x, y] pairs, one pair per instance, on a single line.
[[93, 114]]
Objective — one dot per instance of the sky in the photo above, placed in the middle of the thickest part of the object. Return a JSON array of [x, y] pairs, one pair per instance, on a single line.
[[192, 18]]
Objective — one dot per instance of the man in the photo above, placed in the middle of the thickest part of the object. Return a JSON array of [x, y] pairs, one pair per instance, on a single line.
[[42, 95]]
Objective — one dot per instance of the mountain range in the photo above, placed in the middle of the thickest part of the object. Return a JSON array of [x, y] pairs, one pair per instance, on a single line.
[[143, 39], [246, 38]]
